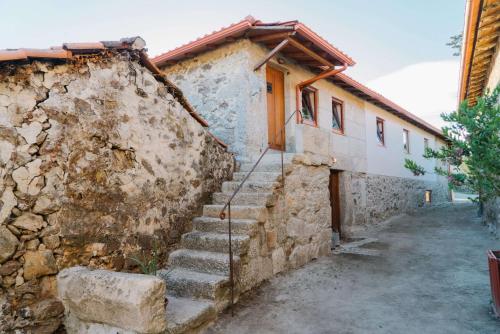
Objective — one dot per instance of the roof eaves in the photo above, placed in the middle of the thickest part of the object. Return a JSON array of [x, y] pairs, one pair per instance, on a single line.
[[324, 44], [388, 104], [243, 26], [192, 46], [472, 14]]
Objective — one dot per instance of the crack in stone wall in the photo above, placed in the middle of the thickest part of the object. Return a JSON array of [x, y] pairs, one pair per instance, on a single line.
[[98, 162]]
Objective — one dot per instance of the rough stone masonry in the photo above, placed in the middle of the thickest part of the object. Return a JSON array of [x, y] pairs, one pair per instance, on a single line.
[[98, 163]]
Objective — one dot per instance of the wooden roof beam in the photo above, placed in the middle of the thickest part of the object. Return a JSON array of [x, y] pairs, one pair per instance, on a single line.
[[272, 37], [272, 53], [310, 53]]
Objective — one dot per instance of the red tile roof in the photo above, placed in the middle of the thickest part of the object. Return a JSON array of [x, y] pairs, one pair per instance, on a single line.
[[249, 26], [377, 99]]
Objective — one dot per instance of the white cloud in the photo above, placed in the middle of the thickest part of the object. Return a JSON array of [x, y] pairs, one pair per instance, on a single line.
[[425, 89]]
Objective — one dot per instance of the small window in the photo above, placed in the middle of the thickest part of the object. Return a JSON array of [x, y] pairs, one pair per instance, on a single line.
[[406, 141], [309, 105], [337, 115], [426, 143], [428, 196], [380, 131]]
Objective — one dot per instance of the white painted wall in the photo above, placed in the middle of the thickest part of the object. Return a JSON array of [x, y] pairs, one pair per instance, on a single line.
[[389, 158], [357, 149]]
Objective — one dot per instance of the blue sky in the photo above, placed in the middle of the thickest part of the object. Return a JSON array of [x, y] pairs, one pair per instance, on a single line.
[[383, 36]]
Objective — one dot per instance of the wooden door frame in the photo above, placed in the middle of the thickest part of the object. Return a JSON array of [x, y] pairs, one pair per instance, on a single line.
[[276, 147], [334, 188]]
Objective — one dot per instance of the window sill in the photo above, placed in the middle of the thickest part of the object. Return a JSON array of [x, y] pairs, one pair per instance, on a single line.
[[338, 132], [310, 123]]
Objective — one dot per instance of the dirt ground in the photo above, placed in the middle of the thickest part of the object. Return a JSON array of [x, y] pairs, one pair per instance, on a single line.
[[425, 273]]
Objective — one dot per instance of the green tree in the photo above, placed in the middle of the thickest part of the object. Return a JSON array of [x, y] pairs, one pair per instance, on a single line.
[[473, 135]]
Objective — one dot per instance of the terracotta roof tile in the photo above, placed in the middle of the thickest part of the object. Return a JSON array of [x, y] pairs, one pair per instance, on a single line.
[[25, 54], [238, 29], [67, 50], [373, 97], [202, 41], [83, 46]]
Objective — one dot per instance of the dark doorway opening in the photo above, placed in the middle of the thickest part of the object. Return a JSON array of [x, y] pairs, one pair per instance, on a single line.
[[335, 201]]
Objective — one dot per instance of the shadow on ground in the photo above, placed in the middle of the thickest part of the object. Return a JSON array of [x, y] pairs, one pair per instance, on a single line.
[[430, 276]]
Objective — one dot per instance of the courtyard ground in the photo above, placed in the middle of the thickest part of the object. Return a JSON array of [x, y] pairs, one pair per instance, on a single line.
[[426, 273]]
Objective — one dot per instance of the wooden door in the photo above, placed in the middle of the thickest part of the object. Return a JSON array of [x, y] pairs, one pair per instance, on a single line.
[[275, 108], [335, 201]]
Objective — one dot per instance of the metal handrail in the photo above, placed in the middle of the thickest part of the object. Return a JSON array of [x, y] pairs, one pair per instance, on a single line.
[[227, 206]]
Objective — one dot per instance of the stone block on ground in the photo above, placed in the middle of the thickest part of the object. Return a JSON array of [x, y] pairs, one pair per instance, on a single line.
[[132, 302]]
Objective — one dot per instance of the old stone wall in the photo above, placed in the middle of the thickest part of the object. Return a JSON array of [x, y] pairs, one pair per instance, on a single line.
[[98, 164], [368, 199], [306, 205], [298, 225]]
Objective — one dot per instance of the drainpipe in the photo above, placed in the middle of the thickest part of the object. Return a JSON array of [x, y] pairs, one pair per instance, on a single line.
[[328, 73]]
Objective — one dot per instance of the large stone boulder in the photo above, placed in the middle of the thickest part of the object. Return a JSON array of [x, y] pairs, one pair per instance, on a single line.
[[132, 302]]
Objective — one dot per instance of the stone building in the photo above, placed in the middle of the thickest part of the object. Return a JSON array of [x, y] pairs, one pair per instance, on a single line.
[[248, 79], [480, 69]]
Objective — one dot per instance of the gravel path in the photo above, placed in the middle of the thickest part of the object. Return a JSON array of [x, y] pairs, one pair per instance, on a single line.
[[424, 273]]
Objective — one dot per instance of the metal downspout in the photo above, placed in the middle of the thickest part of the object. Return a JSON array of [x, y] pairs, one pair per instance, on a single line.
[[328, 73]]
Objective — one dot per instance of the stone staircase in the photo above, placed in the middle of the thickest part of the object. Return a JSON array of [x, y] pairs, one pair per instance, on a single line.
[[197, 278]]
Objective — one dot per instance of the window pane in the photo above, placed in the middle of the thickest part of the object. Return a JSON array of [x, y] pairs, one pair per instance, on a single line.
[[406, 142], [380, 131], [308, 105], [336, 115]]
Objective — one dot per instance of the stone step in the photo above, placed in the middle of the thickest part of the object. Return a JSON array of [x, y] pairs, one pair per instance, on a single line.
[[272, 156], [215, 242], [262, 167], [238, 226], [243, 198], [258, 213], [203, 261], [187, 283], [257, 176], [185, 315], [249, 186]]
